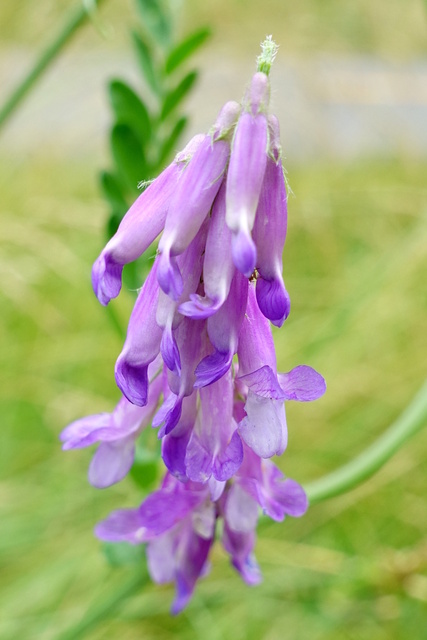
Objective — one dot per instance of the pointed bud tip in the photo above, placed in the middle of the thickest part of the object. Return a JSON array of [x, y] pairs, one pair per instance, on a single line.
[[268, 53]]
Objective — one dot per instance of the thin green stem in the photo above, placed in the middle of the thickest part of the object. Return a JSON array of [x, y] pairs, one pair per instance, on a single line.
[[413, 418], [76, 20]]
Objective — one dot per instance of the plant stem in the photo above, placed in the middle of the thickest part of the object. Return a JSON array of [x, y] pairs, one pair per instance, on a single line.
[[76, 20], [413, 418]]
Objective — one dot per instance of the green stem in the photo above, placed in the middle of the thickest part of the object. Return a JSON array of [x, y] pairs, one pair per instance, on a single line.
[[75, 21], [413, 418]]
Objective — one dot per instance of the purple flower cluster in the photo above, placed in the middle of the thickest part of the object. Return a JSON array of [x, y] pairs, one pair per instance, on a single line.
[[215, 286]]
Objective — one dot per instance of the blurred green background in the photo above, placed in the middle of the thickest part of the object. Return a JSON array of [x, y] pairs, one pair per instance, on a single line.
[[349, 86]]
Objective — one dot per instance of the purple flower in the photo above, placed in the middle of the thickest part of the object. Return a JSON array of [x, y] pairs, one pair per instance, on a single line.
[[246, 172], [190, 335], [215, 286], [264, 427], [142, 343], [259, 483], [214, 446], [139, 227], [223, 331], [269, 234], [116, 432], [218, 267], [168, 316], [193, 198], [178, 523]]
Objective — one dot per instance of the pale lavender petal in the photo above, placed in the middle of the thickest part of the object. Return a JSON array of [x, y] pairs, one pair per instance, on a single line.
[[241, 510], [216, 488], [79, 430], [161, 558], [292, 497], [302, 383], [258, 96], [121, 526], [111, 462], [263, 382], [125, 420], [264, 429], [198, 461]]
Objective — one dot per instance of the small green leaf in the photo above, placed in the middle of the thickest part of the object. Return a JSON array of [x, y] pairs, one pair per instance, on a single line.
[[145, 474], [112, 191], [145, 60], [145, 468], [174, 97], [128, 155], [168, 145], [129, 109], [156, 20], [185, 49], [113, 224], [119, 554]]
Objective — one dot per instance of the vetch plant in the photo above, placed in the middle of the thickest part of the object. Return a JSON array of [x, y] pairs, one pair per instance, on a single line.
[[213, 289], [199, 363]]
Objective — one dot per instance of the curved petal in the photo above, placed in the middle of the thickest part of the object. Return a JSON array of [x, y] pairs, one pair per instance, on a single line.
[[302, 383]]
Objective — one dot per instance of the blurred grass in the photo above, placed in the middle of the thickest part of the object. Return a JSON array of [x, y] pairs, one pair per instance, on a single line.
[[355, 265]]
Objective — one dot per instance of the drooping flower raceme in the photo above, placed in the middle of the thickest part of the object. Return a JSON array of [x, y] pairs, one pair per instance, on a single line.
[[199, 362]]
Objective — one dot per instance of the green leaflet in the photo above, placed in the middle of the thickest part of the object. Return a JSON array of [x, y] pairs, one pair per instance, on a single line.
[[156, 20], [112, 190], [185, 49], [174, 97], [168, 145], [145, 58], [129, 109], [128, 155]]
